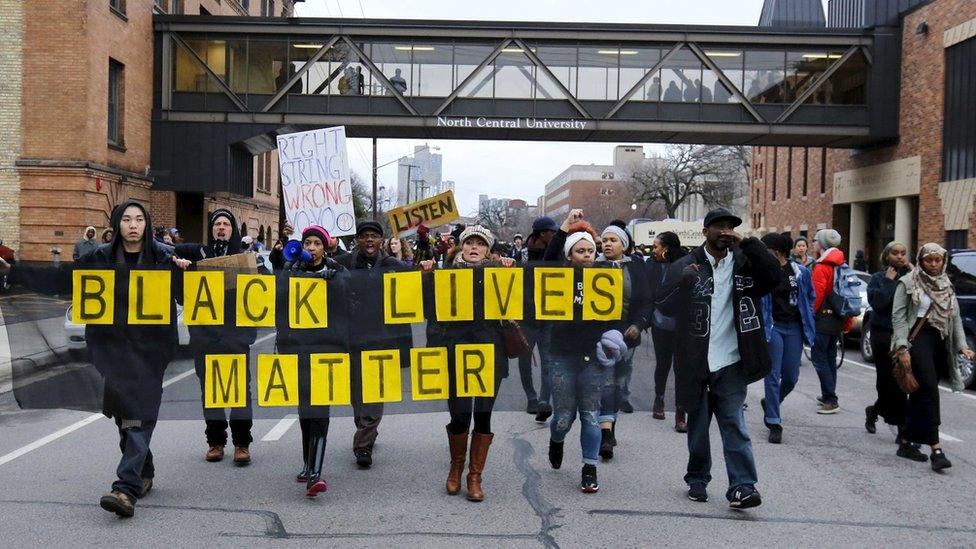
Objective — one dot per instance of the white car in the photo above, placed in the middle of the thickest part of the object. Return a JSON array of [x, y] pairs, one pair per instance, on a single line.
[[75, 333]]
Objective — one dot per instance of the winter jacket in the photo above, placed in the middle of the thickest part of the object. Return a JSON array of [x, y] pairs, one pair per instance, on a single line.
[[638, 303], [904, 311], [755, 273], [881, 298], [84, 246], [657, 279], [823, 285], [334, 338], [807, 296]]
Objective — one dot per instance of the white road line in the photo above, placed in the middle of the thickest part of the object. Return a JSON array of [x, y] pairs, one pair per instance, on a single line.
[[280, 428], [73, 427], [949, 438], [941, 387], [265, 338]]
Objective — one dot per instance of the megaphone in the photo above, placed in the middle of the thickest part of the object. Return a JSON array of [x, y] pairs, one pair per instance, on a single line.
[[293, 251]]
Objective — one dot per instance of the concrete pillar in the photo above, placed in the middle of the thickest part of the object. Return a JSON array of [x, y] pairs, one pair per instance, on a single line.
[[904, 221], [859, 229]]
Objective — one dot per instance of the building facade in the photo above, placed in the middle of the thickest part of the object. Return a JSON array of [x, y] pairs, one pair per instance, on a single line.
[[76, 81], [919, 188], [420, 175]]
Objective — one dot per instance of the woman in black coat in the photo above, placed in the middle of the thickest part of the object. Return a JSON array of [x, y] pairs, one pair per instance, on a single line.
[[666, 250]]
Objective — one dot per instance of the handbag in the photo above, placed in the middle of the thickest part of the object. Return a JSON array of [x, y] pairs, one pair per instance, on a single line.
[[515, 343], [903, 374]]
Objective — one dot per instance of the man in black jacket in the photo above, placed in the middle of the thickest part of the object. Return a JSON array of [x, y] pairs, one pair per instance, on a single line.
[[224, 240], [367, 322], [721, 348]]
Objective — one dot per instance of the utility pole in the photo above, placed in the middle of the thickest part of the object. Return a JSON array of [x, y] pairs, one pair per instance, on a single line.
[[375, 171]]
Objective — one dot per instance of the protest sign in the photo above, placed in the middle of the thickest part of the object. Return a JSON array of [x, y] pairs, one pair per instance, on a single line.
[[431, 212], [315, 180]]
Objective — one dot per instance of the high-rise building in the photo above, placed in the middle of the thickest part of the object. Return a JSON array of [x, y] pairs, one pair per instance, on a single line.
[[419, 175]]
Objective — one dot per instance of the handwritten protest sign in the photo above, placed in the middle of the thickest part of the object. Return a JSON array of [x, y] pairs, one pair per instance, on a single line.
[[432, 212], [315, 182]]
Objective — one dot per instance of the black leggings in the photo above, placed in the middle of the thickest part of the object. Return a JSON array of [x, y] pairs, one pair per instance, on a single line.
[[664, 356], [464, 409]]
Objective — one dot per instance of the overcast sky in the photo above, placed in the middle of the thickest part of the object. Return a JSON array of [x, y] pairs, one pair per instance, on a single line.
[[518, 169]]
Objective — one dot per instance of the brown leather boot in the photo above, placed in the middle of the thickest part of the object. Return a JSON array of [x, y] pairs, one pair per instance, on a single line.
[[242, 456], [479, 454], [215, 453], [459, 449], [680, 421]]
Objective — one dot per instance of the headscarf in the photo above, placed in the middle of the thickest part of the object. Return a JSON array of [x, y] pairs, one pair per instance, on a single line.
[[938, 288], [621, 235], [887, 250], [574, 238]]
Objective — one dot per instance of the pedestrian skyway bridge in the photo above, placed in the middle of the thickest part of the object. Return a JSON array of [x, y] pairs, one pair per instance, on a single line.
[[225, 87]]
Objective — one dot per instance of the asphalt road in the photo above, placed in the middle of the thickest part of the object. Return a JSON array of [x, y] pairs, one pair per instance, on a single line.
[[829, 485]]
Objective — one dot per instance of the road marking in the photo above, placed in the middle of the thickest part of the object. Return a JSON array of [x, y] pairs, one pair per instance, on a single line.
[[950, 438], [263, 339], [74, 427], [941, 387], [280, 428]]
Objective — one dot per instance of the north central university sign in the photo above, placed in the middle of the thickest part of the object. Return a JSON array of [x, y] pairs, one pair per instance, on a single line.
[[528, 123]]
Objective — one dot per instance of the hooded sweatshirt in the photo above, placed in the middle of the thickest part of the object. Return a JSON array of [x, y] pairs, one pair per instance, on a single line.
[[823, 284], [86, 245]]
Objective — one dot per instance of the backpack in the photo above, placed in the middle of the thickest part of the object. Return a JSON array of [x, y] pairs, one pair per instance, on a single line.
[[845, 296]]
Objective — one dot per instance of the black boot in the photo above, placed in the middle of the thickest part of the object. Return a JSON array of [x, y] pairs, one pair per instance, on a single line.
[[871, 419], [302, 476], [555, 454], [316, 458], [606, 444]]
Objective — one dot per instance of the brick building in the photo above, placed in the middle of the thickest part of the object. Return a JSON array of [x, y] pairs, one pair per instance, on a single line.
[[918, 189], [75, 107]]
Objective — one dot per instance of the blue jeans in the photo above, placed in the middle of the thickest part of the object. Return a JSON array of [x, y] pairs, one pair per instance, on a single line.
[[785, 349], [823, 354], [615, 390], [723, 398], [137, 460], [577, 387]]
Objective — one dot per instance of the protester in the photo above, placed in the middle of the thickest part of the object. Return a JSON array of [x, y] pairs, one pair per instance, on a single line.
[[476, 242], [174, 233], [667, 249], [370, 330], [830, 325], [624, 397], [715, 292], [107, 235], [543, 229], [892, 401], [313, 420], [247, 243], [399, 249], [168, 239], [86, 245], [788, 321], [132, 358], [228, 338], [636, 317], [800, 256], [581, 357], [860, 264], [518, 251], [925, 297]]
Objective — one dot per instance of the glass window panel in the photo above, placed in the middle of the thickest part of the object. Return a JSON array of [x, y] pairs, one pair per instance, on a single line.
[[562, 63], [467, 57], [514, 74], [847, 86], [730, 62], [393, 59], [804, 67], [433, 69], [190, 76], [599, 72], [764, 76], [236, 67], [267, 65], [681, 78], [633, 67]]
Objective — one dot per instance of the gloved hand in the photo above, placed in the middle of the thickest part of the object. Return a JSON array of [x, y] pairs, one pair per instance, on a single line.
[[610, 348]]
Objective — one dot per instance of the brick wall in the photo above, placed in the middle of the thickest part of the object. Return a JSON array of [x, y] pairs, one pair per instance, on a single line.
[[162, 206], [11, 69], [792, 209], [920, 127]]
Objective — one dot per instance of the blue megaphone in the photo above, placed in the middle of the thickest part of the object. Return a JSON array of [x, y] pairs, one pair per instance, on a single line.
[[293, 251]]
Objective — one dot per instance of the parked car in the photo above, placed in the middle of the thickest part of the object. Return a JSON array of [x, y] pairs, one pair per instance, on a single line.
[[75, 333], [962, 273]]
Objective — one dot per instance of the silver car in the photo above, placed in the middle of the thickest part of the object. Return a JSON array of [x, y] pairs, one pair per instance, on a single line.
[[75, 333]]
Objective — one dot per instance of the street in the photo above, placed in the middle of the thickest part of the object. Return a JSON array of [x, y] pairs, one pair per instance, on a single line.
[[830, 484]]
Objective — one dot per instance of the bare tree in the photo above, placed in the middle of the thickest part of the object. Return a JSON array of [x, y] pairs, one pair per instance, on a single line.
[[686, 171], [491, 215]]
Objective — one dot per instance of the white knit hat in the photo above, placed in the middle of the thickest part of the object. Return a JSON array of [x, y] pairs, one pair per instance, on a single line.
[[573, 238]]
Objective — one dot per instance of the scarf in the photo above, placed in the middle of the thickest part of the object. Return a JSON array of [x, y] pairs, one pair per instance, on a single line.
[[460, 262], [938, 288]]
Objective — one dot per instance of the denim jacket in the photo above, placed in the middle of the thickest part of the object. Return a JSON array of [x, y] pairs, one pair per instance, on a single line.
[[807, 296]]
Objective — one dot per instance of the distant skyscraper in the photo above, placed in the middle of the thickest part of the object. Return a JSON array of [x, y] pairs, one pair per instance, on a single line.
[[419, 175]]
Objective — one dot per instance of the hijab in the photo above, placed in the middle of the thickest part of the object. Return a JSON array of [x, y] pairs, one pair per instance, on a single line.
[[938, 288]]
